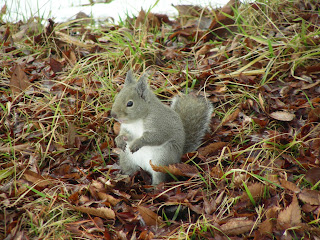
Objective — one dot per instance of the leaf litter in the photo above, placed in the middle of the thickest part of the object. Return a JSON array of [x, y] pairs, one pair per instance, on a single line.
[[256, 174]]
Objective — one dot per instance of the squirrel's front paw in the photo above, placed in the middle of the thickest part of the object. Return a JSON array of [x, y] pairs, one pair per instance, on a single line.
[[121, 142], [134, 147]]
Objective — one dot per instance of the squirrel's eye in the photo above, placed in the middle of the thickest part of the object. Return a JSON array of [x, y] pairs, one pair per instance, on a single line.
[[129, 104]]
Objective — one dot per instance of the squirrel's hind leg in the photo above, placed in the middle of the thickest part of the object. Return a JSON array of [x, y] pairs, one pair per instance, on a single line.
[[126, 164], [158, 177]]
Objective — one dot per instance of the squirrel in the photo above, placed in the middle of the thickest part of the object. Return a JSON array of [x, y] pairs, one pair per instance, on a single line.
[[151, 130]]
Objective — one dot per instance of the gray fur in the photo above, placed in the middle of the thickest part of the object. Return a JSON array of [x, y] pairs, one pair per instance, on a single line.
[[150, 130], [195, 113]]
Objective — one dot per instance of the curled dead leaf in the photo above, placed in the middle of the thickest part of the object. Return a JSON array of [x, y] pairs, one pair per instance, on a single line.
[[179, 169], [18, 148], [73, 40], [211, 148], [102, 212], [232, 116], [283, 116], [237, 226], [37, 179], [108, 198], [148, 216]]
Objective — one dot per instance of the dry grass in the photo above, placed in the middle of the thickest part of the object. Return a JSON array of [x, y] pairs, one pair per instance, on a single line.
[[56, 146]]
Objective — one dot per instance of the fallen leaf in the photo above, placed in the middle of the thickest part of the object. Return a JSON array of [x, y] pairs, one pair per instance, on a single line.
[[266, 227], [272, 212], [190, 10], [222, 19], [256, 191], [73, 40], [211, 148], [19, 80], [149, 217], [289, 185], [291, 216], [232, 116], [237, 226], [282, 116], [71, 135], [179, 169], [55, 65], [313, 175], [19, 148], [37, 179], [203, 50], [3, 10], [314, 115], [108, 198], [102, 212], [311, 197]]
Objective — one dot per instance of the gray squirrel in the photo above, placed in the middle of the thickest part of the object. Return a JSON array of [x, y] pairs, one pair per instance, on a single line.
[[151, 130]]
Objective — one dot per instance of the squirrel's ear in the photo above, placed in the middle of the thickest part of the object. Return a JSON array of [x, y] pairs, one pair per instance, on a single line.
[[129, 78], [142, 86]]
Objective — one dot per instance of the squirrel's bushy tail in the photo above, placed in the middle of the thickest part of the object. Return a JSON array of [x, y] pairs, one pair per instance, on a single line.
[[195, 113]]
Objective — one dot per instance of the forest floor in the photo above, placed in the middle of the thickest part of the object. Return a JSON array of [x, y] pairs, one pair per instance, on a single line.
[[257, 174]]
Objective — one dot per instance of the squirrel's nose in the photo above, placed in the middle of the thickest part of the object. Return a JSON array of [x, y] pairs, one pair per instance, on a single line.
[[113, 115]]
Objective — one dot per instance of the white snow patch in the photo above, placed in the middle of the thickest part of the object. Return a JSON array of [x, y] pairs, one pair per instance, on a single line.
[[63, 10]]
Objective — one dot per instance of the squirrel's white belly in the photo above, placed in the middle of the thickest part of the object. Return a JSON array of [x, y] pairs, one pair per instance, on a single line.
[[135, 129], [143, 156]]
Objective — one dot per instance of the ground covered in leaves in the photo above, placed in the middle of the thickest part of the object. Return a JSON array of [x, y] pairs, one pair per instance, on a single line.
[[257, 174]]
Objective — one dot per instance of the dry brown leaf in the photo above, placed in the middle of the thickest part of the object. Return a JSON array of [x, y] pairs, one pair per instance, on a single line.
[[313, 175], [272, 212], [256, 191], [18, 148], [179, 169], [3, 10], [266, 227], [71, 135], [314, 115], [102, 212], [291, 216], [73, 40], [203, 50], [72, 58], [289, 185], [222, 19], [108, 198], [37, 179], [232, 116], [262, 103], [283, 116], [30, 27], [311, 197], [148, 20], [273, 178], [19, 80], [237, 226], [55, 65], [149, 217], [189, 10], [211, 148]]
